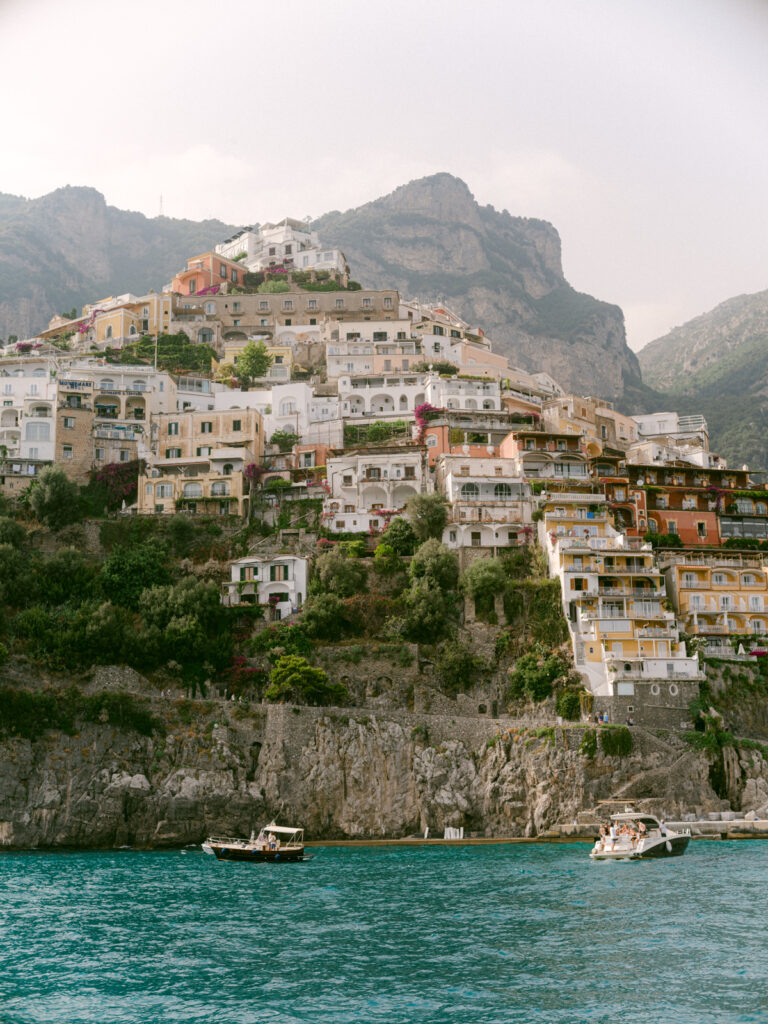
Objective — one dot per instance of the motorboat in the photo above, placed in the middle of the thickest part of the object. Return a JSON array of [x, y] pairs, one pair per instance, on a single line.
[[634, 836], [275, 844]]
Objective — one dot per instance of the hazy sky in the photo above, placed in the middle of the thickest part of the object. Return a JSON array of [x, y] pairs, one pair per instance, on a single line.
[[637, 127]]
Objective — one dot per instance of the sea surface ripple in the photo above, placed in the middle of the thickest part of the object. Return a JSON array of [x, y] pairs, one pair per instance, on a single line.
[[455, 935]]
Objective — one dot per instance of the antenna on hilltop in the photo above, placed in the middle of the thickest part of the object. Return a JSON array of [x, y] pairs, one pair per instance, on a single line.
[[161, 204]]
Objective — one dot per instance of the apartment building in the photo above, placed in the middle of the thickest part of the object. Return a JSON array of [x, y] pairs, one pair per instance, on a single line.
[[547, 455], [625, 641], [208, 272], [490, 505], [593, 419], [719, 595], [367, 487], [380, 396], [197, 461]]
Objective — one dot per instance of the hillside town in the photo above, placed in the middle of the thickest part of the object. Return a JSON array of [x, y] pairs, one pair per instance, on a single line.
[[307, 390]]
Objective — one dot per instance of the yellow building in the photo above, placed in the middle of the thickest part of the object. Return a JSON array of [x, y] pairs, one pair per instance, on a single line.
[[198, 460], [718, 595], [613, 598]]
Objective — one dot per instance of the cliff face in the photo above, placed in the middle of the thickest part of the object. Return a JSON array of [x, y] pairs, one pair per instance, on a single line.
[[350, 774], [69, 247], [431, 240]]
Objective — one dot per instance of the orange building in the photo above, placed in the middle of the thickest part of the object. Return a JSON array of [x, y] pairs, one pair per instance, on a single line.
[[208, 272]]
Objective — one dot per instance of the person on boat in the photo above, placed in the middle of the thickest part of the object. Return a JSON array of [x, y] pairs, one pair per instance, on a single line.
[[663, 829], [613, 837], [641, 830], [601, 837], [272, 840]]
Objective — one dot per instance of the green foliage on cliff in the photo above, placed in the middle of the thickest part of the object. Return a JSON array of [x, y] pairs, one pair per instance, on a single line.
[[616, 740], [534, 677], [293, 678], [30, 713], [175, 353]]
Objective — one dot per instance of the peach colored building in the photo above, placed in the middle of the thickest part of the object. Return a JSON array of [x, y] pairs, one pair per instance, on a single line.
[[208, 271]]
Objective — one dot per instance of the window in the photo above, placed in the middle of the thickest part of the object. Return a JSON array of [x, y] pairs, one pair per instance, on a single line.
[[236, 307], [288, 250], [99, 454], [439, 330], [164, 491], [206, 427], [312, 304], [263, 306], [272, 251], [204, 449], [689, 579], [237, 425], [701, 529], [346, 481], [222, 270], [38, 432], [367, 303], [173, 429], [339, 304], [69, 422], [502, 491], [288, 305], [125, 455], [220, 488], [210, 307], [227, 469], [470, 491], [718, 579], [475, 539], [233, 275], [236, 323], [67, 451], [604, 431], [193, 490], [340, 524], [192, 286], [760, 508], [387, 303]]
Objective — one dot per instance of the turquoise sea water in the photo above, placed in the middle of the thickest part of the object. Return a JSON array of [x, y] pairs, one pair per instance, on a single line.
[[462, 934]]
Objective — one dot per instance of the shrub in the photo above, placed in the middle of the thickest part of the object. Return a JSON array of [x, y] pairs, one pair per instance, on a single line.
[[568, 705], [616, 741], [482, 581], [428, 612], [533, 678], [336, 574], [12, 533], [323, 617], [588, 745], [458, 666]]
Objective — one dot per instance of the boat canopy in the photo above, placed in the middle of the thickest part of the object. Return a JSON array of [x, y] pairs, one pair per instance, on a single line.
[[647, 819], [281, 829]]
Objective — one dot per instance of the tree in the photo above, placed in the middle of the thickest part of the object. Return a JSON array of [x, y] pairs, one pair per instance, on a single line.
[[428, 514], [12, 533], [293, 678], [533, 678], [428, 612], [284, 439], [438, 365], [400, 536], [336, 574], [458, 666], [435, 562], [483, 580], [129, 571], [55, 499], [386, 561], [253, 362]]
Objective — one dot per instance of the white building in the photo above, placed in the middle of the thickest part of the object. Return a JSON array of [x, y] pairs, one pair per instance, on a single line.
[[370, 486], [290, 244], [465, 394], [278, 581], [490, 504], [380, 396], [27, 409], [293, 408]]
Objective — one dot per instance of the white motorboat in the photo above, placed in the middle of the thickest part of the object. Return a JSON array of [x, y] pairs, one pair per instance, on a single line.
[[634, 836]]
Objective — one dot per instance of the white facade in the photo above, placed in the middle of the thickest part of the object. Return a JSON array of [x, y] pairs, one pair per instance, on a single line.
[[278, 581], [28, 410], [490, 505], [380, 396], [371, 486], [454, 393], [293, 407], [290, 244]]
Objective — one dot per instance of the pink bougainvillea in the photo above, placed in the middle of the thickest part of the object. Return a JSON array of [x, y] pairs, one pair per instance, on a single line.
[[423, 414]]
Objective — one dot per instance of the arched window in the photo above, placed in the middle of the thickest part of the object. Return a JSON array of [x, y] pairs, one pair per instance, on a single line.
[[132, 329], [403, 401], [108, 333], [107, 384], [502, 491], [220, 488], [470, 491], [227, 471], [210, 307], [488, 404], [193, 490], [760, 508], [287, 407], [431, 441], [205, 336], [748, 579]]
